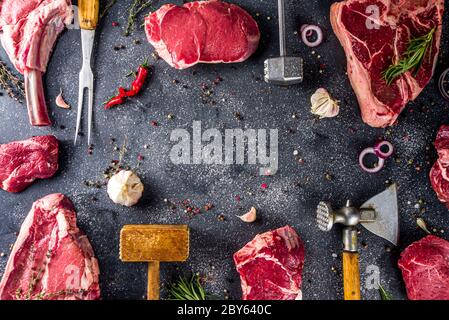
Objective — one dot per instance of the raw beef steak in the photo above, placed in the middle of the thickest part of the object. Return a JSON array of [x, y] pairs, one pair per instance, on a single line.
[[270, 266], [51, 259], [375, 34], [29, 31], [438, 174], [22, 162], [425, 268], [202, 31]]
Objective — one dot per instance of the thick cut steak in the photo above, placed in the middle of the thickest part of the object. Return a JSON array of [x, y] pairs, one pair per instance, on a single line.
[[425, 269], [439, 177], [51, 259], [270, 266], [202, 31], [29, 31], [375, 34], [22, 162]]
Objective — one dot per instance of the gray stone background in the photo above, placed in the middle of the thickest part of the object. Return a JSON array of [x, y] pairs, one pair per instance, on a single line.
[[326, 146]]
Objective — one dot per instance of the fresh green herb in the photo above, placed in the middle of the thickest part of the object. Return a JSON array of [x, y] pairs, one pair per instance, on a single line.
[[187, 289], [384, 295], [412, 58], [107, 7], [11, 83], [133, 13]]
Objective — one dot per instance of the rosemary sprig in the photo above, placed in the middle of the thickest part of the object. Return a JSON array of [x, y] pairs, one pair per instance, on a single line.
[[11, 84], [412, 58], [385, 295], [133, 13], [187, 289]]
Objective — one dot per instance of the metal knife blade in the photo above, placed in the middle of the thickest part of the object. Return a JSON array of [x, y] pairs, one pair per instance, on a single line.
[[386, 224]]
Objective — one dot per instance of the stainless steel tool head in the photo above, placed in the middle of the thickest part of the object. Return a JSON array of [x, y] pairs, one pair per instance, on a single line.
[[324, 216], [284, 70], [86, 81], [386, 224], [378, 215]]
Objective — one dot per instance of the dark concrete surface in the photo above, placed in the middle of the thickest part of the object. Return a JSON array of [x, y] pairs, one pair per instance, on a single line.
[[326, 146]]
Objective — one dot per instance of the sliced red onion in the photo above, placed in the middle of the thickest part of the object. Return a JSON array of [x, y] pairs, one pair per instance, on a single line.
[[443, 84], [380, 162], [378, 149], [307, 30]]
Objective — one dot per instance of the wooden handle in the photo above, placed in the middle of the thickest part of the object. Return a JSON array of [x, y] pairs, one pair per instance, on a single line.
[[88, 11], [351, 275], [153, 280]]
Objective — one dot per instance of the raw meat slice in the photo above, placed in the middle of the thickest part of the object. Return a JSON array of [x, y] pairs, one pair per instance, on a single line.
[[375, 33], [51, 259], [22, 162], [439, 177], [270, 266], [425, 268], [202, 32], [29, 31]]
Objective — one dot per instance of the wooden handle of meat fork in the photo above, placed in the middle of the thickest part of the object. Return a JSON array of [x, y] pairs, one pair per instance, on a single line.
[[153, 281], [351, 275], [88, 11]]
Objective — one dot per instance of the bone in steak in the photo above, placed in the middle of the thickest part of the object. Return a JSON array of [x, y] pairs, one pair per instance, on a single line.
[[202, 32], [439, 177], [371, 45], [270, 266], [425, 269], [29, 31], [51, 259], [22, 162]]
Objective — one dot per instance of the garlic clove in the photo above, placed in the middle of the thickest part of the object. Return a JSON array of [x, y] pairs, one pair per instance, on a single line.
[[60, 102], [422, 224], [250, 216], [125, 188], [323, 105]]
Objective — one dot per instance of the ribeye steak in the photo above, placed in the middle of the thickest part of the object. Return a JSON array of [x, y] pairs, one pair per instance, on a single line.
[[270, 266], [425, 269], [29, 31], [375, 34], [22, 162], [202, 31], [439, 177], [51, 259]]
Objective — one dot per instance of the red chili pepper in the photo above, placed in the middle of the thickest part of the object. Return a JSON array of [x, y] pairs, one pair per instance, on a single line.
[[122, 92], [114, 101], [136, 86], [142, 74]]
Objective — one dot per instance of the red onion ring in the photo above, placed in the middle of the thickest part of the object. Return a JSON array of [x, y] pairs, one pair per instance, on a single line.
[[443, 84], [307, 30], [380, 163], [378, 149]]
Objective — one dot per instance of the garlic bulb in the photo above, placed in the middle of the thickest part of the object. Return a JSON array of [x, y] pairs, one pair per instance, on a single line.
[[323, 105], [125, 188], [250, 216]]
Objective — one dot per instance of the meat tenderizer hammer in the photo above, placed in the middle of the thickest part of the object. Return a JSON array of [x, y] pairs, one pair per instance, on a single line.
[[154, 244], [284, 70], [378, 215], [88, 12]]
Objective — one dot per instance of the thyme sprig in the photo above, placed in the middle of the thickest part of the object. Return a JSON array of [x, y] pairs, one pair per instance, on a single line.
[[187, 289], [412, 59], [107, 7], [11, 84], [133, 13]]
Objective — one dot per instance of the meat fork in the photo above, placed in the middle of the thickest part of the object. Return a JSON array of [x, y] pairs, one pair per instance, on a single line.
[[88, 11]]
